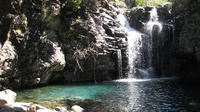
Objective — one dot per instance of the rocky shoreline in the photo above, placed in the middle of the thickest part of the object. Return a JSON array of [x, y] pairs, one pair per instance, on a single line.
[[8, 104]]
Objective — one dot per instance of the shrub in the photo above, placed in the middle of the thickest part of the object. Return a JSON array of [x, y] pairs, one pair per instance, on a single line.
[[148, 2]]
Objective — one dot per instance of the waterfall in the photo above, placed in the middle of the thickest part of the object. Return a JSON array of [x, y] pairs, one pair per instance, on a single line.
[[140, 45], [150, 28], [134, 45], [119, 59], [153, 21]]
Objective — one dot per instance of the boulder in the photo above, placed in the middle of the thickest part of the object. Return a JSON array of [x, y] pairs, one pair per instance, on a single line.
[[139, 16], [7, 97], [61, 109], [30, 107], [8, 60], [77, 108], [8, 109]]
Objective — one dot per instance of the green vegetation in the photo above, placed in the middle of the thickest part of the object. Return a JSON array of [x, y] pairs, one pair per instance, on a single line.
[[149, 2], [133, 3], [76, 4]]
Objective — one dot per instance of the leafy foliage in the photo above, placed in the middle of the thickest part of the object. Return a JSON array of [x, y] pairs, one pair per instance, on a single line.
[[149, 2], [76, 4], [71, 7]]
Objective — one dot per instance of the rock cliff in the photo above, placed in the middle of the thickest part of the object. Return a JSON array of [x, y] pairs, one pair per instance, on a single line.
[[58, 41], [187, 21]]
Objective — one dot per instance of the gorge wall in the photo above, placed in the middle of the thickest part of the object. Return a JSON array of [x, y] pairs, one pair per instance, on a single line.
[[187, 51], [64, 41], [58, 41]]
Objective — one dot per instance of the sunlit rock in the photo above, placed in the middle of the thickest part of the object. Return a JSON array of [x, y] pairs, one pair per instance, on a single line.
[[7, 97], [77, 108]]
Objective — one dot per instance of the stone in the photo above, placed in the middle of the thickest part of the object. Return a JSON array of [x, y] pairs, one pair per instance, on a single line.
[[138, 17], [8, 58], [77, 108], [21, 105], [3, 102], [61, 109], [24, 107], [7, 97], [8, 109]]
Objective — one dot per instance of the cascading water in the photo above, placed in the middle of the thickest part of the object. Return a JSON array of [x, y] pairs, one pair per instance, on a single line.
[[140, 46], [119, 56], [149, 29], [153, 21], [134, 45], [139, 55]]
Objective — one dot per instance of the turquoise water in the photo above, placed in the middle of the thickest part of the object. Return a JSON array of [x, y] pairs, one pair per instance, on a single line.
[[72, 92], [153, 95]]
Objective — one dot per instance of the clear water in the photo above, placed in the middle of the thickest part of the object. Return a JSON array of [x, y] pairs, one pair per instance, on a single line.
[[72, 92], [149, 95]]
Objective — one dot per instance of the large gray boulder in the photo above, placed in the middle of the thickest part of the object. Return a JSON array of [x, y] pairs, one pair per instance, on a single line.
[[8, 60]]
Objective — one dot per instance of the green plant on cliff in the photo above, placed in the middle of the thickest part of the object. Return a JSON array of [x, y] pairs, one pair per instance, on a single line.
[[148, 2], [74, 5]]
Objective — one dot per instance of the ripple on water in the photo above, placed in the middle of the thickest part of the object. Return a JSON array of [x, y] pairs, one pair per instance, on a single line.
[[117, 96]]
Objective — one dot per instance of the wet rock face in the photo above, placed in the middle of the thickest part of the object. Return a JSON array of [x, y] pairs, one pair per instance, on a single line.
[[161, 34], [48, 59], [163, 11], [30, 53], [139, 16], [187, 16], [40, 39], [101, 27]]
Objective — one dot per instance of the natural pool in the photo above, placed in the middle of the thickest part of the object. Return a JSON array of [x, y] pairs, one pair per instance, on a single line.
[[153, 95]]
